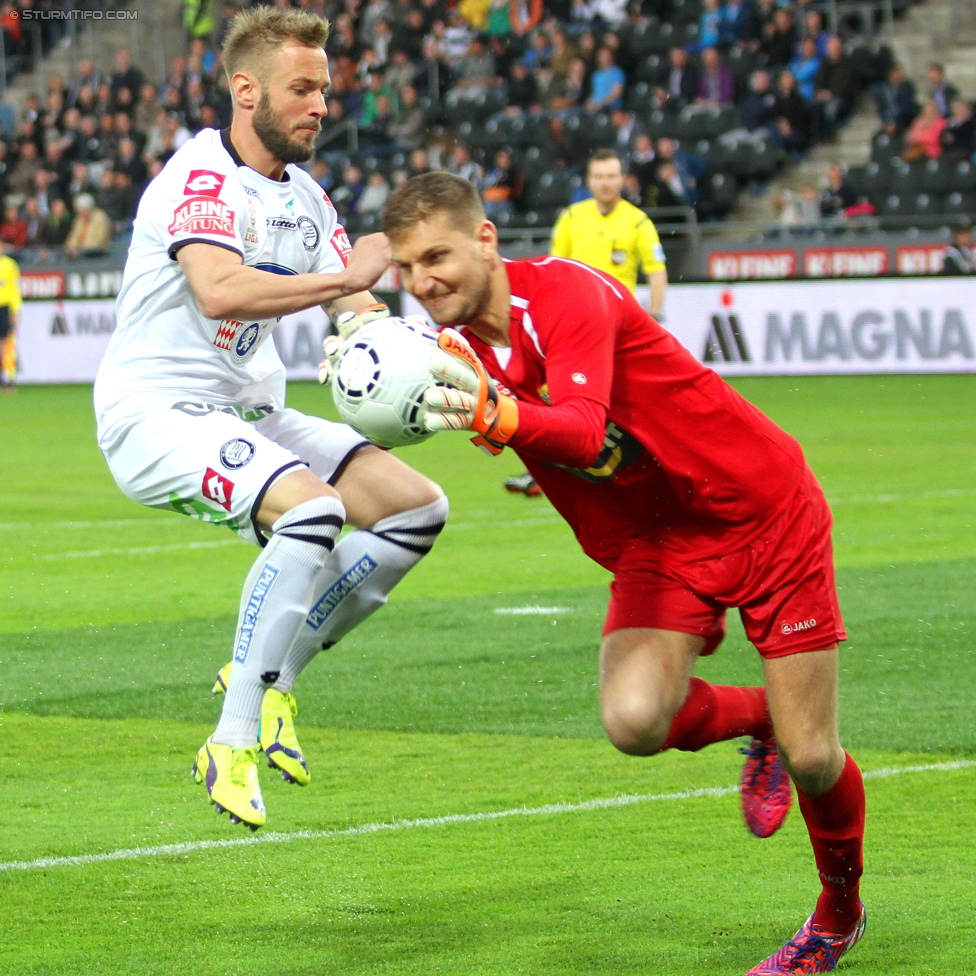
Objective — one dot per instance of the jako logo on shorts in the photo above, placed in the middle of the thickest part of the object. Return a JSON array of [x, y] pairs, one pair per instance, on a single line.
[[338, 591], [253, 610]]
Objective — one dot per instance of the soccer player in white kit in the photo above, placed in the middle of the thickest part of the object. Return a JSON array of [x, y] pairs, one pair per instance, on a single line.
[[190, 397]]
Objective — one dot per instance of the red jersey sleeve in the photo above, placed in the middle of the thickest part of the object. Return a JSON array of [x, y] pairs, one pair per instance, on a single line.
[[572, 321]]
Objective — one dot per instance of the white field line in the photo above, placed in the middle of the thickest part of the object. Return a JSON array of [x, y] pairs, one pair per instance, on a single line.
[[486, 522], [549, 809], [179, 546], [528, 611]]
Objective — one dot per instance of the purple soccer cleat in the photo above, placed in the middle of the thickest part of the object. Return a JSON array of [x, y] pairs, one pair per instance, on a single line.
[[811, 951], [765, 789]]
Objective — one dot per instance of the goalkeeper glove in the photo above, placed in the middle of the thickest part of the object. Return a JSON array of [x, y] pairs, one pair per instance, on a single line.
[[470, 400], [347, 324]]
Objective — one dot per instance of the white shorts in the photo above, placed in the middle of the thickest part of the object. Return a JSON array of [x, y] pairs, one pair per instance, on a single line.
[[209, 463]]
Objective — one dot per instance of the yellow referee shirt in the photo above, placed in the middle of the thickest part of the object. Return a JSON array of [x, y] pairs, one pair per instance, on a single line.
[[9, 283], [617, 243]]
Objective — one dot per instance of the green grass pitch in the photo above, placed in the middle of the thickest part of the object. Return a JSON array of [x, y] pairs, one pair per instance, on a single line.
[[439, 714]]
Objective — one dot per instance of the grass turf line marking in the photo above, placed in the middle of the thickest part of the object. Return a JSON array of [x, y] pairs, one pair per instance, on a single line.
[[516, 523], [525, 611], [605, 803], [137, 551]]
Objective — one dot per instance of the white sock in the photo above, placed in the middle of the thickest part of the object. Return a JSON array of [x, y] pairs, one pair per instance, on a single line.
[[358, 577], [277, 597]]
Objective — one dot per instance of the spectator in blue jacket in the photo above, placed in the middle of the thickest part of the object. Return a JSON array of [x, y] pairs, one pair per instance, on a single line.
[[804, 68], [606, 84], [737, 20], [710, 25]]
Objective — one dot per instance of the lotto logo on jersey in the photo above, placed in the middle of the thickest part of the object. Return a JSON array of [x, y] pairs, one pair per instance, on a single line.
[[340, 241], [203, 183], [203, 215], [217, 488]]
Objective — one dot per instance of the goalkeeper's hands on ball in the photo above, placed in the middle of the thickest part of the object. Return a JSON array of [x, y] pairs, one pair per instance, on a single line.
[[468, 399], [347, 324]]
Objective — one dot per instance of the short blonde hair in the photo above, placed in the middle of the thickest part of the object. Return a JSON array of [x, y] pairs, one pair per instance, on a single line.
[[256, 35], [428, 194]]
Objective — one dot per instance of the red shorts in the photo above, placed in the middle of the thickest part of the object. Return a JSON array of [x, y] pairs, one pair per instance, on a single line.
[[782, 582]]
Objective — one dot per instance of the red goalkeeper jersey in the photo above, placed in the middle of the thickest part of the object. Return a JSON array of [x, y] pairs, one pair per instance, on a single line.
[[626, 432]]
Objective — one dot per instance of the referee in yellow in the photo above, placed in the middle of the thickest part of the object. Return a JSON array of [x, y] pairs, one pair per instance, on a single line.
[[9, 318], [612, 235]]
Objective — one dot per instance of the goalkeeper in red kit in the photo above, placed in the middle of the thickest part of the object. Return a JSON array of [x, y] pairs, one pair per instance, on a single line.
[[689, 495]]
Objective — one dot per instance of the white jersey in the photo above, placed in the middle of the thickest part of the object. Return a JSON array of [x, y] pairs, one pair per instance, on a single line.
[[164, 348]]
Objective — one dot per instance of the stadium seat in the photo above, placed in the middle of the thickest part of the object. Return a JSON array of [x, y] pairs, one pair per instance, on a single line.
[[892, 208], [963, 177], [866, 181], [907, 178], [599, 131], [638, 99], [885, 147], [718, 195], [960, 204], [644, 39], [936, 176], [685, 11], [554, 188], [648, 69], [660, 123], [535, 159], [925, 205], [537, 218]]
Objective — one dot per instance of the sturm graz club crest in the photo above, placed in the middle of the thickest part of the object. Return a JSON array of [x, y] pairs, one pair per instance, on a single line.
[[309, 231], [236, 453], [725, 341]]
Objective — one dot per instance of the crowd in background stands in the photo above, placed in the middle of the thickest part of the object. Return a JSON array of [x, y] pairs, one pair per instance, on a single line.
[[404, 70]]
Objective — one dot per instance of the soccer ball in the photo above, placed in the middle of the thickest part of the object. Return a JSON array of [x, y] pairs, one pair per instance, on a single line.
[[381, 378]]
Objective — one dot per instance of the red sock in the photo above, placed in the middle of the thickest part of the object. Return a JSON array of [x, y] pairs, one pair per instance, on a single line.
[[714, 713], [836, 825]]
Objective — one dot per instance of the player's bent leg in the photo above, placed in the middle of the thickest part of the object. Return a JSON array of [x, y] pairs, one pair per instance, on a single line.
[[409, 512], [651, 702], [644, 675], [276, 601], [802, 690], [375, 485]]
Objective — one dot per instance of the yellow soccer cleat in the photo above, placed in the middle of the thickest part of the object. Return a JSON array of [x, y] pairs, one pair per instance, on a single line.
[[277, 730], [231, 778], [278, 739], [223, 679]]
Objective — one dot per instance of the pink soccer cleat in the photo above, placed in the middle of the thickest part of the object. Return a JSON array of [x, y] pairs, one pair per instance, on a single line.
[[811, 951], [766, 791]]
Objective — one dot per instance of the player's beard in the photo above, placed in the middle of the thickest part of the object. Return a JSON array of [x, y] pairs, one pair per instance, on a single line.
[[276, 137], [472, 303]]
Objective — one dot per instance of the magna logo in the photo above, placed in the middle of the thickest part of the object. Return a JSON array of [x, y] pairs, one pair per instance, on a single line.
[[203, 215], [203, 183], [726, 342], [799, 626]]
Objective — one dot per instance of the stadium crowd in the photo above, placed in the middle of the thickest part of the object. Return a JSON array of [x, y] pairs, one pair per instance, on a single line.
[[699, 98]]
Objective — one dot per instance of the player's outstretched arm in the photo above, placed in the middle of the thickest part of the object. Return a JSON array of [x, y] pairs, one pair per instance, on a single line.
[[225, 288], [470, 400]]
